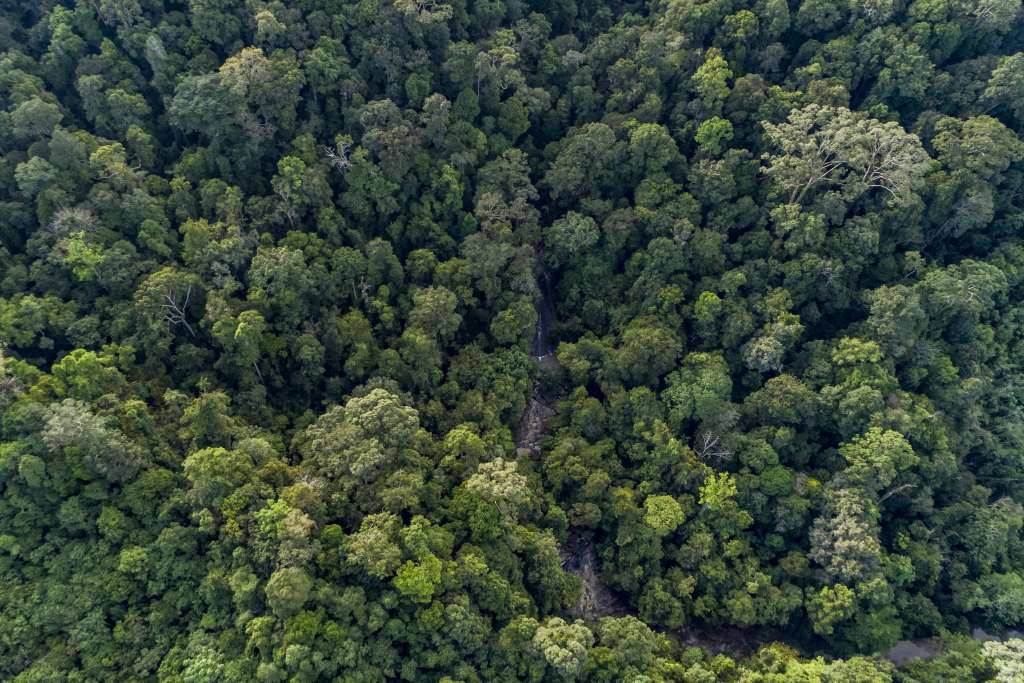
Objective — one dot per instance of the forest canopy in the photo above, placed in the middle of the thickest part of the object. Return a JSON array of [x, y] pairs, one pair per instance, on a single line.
[[481, 341]]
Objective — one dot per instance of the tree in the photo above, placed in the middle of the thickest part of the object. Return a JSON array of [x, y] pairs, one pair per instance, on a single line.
[[700, 389], [499, 483], [497, 65], [389, 136], [651, 150], [34, 176], [717, 491], [516, 324], [288, 590], [571, 236], [87, 376], [563, 645], [897, 319], [633, 645], [201, 105], [874, 459], [989, 533], [995, 15], [355, 447], [264, 91], [833, 147], [865, 669], [583, 164], [647, 350], [169, 300], [1007, 658], [434, 311], [663, 514], [214, 473], [35, 118], [1006, 85], [982, 146], [844, 539], [247, 339], [830, 605], [712, 135], [764, 354], [1004, 597], [72, 428], [418, 581], [711, 82], [207, 421], [374, 548], [280, 282]]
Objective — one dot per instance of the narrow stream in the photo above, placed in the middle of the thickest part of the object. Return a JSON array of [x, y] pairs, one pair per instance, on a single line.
[[542, 346], [533, 425], [597, 601], [926, 648], [743, 642]]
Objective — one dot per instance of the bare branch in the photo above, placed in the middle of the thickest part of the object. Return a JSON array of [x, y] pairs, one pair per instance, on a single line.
[[173, 314], [896, 490], [711, 449], [337, 155]]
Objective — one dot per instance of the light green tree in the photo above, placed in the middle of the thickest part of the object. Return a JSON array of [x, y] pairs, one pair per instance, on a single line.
[[835, 148]]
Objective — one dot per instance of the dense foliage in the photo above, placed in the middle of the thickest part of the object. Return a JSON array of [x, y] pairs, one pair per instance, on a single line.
[[273, 277]]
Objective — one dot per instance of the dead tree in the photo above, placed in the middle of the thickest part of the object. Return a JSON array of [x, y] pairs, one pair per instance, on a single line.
[[710, 448], [173, 314], [9, 384], [337, 155], [896, 490]]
